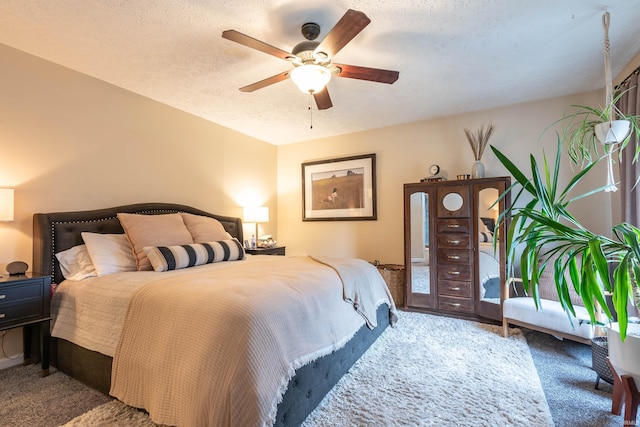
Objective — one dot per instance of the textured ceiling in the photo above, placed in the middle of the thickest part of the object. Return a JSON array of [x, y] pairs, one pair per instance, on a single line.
[[453, 55]]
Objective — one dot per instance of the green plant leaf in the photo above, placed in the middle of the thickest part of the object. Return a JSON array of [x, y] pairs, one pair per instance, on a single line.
[[621, 294]]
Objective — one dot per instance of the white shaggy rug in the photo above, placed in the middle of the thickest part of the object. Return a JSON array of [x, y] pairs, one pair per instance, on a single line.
[[427, 371]]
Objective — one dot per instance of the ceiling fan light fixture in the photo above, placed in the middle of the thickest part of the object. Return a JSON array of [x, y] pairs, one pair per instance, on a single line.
[[310, 78]]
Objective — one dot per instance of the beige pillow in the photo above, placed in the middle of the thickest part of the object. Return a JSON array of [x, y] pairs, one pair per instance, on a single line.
[[153, 230], [204, 229]]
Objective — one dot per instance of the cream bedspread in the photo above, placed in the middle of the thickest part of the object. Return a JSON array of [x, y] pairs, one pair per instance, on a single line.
[[219, 348], [91, 312], [356, 276]]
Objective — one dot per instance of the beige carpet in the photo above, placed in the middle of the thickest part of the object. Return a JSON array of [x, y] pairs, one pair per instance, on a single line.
[[428, 370], [27, 400]]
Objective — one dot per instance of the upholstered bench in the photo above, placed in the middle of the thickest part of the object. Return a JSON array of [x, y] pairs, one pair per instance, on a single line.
[[549, 318]]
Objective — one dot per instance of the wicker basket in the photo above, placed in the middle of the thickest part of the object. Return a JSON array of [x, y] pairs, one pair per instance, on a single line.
[[393, 275], [599, 353]]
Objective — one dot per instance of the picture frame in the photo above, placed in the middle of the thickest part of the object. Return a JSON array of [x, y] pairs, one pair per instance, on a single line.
[[339, 189]]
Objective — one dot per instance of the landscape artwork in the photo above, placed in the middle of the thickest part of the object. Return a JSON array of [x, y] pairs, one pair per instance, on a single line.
[[339, 189]]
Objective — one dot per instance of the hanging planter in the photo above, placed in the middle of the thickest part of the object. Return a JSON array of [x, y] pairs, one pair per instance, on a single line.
[[612, 132], [594, 133]]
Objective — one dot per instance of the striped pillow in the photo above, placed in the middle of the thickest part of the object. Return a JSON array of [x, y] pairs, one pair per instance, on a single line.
[[164, 258]]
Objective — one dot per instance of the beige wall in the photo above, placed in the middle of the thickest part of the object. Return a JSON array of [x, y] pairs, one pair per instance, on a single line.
[[71, 142], [403, 155]]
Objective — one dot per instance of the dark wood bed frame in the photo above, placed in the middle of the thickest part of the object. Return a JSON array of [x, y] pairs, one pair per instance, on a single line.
[[55, 232]]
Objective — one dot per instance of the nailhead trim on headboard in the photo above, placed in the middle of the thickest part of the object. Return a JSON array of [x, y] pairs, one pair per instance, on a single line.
[[53, 239], [55, 223]]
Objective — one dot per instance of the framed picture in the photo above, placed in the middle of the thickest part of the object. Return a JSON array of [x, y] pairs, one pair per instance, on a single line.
[[339, 189]]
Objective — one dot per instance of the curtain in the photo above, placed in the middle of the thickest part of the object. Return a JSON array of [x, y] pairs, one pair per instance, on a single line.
[[629, 103]]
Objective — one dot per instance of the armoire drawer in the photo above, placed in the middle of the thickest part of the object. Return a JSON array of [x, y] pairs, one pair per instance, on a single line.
[[453, 225], [456, 272], [454, 288], [463, 305], [454, 256], [454, 241]]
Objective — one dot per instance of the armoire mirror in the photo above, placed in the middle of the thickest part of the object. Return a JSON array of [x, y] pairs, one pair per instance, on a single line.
[[452, 202], [454, 258], [489, 256], [420, 280]]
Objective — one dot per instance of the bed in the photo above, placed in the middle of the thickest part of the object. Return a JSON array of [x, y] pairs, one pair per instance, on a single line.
[[309, 376]]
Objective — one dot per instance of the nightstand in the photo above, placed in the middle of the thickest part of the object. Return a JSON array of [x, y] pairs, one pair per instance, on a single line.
[[277, 250], [25, 302]]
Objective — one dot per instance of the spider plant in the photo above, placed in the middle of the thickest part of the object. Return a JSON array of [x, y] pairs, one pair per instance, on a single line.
[[549, 236], [578, 125]]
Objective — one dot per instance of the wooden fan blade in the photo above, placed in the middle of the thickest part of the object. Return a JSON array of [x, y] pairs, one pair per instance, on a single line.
[[364, 73], [266, 82], [243, 39], [323, 100], [343, 32]]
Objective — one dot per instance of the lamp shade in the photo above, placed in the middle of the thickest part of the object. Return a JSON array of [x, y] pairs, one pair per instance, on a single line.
[[256, 214], [6, 204], [310, 78]]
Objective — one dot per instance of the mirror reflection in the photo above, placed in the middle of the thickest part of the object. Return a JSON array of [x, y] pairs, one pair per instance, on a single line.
[[420, 243], [452, 202], [488, 260]]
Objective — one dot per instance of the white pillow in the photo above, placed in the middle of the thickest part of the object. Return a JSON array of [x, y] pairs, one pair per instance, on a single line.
[[110, 253], [76, 264]]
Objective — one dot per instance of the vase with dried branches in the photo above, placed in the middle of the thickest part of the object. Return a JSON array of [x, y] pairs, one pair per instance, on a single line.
[[478, 142]]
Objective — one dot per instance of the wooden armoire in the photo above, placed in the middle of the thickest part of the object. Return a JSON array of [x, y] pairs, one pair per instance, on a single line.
[[455, 262]]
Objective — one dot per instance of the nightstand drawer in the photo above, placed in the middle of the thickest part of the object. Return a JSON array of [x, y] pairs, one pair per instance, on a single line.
[[24, 311], [26, 290], [23, 300]]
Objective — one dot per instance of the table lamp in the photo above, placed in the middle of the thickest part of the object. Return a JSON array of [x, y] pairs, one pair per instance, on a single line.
[[256, 215], [6, 204]]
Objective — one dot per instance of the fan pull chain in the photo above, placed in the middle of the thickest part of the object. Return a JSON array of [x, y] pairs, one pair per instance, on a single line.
[[310, 112]]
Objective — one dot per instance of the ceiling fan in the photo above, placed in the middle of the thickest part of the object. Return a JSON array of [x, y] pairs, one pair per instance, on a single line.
[[312, 60]]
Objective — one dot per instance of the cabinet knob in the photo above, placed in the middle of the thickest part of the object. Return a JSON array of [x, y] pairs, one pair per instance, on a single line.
[[453, 257], [453, 225], [454, 304], [454, 273], [2, 315], [453, 242], [454, 288], [3, 296]]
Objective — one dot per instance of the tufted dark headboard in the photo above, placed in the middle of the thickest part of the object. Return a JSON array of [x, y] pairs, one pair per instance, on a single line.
[[55, 232]]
